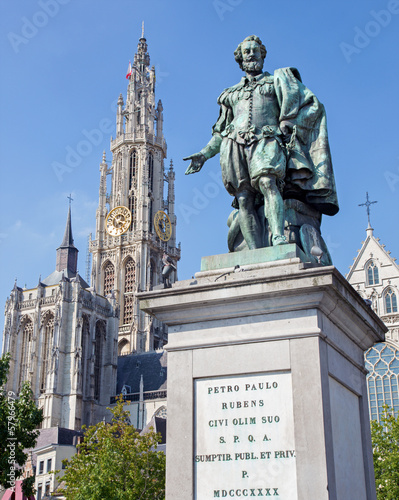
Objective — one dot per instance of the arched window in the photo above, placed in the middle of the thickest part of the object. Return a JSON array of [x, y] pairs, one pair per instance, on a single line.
[[128, 309], [130, 275], [27, 345], [123, 347], [150, 171], [150, 221], [109, 278], [85, 356], [161, 412], [372, 274], [98, 357], [119, 172], [48, 330], [382, 362], [132, 167], [391, 303], [128, 300], [132, 208]]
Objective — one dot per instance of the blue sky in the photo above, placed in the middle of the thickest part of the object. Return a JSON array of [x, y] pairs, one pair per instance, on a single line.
[[63, 67]]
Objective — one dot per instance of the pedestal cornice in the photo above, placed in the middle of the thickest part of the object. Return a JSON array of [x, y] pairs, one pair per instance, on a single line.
[[266, 289]]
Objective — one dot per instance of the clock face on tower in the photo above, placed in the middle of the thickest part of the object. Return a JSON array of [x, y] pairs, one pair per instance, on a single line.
[[118, 221], [163, 226]]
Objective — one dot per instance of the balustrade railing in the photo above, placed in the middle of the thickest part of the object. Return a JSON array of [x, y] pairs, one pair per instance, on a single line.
[[26, 304], [147, 396]]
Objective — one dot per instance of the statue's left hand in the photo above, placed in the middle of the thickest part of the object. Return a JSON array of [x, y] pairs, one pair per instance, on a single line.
[[197, 162]]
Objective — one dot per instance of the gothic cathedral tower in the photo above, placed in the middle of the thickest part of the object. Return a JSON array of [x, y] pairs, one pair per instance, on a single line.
[[128, 247]]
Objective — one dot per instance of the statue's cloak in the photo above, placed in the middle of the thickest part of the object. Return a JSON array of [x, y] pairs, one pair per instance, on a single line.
[[310, 174]]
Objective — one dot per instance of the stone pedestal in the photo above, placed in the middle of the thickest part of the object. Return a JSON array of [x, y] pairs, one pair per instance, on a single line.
[[266, 383]]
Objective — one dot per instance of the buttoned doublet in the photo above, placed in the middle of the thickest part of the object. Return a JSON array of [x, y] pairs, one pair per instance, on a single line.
[[251, 138]]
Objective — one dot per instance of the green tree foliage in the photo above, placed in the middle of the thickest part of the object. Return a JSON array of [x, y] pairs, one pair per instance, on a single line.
[[115, 462], [19, 422], [385, 438]]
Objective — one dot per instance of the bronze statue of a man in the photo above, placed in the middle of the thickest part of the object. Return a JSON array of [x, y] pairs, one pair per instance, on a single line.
[[272, 137]]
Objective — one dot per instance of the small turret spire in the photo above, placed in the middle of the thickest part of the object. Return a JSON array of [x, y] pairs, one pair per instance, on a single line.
[[68, 239], [142, 29], [67, 253]]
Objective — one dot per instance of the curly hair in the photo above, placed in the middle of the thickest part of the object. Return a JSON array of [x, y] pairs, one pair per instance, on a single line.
[[238, 54]]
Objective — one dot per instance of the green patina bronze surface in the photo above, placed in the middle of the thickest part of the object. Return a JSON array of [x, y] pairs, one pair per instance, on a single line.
[[247, 257], [272, 138]]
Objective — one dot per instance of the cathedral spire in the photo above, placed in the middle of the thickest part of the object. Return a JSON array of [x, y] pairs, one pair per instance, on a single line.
[[135, 181], [67, 253], [142, 57]]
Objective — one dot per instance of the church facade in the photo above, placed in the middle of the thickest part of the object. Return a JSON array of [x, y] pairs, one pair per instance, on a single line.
[[375, 276], [62, 339]]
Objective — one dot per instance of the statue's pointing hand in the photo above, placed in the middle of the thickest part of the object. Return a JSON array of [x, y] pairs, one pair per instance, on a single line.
[[197, 162]]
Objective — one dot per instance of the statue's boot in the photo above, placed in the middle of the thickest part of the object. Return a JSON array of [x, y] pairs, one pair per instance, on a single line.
[[279, 239]]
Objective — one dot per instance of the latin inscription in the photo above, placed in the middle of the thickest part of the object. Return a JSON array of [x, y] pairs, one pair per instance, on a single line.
[[244, 437]]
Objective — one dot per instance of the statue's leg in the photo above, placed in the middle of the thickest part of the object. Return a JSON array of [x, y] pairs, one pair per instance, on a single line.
[[234, 163], [274, 208], [248, 218]]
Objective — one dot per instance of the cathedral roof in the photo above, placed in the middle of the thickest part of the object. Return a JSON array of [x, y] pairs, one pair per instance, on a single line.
[[151, 365], [371, 246], [57, 276]]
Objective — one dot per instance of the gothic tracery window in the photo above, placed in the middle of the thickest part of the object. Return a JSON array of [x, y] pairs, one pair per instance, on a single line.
[[130, 278], [150, 171], [132, 208], [128, 308], [85, 355], [48, 330], [109, 278], [382, 363], [372, 274], [123, 347], [130, 274], [98, 355], [132, 167], [391, 302], [119, 173], [27, 345], [150, 221]]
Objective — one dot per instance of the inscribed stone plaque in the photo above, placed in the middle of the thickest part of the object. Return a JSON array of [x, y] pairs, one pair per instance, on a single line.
[[244, 437]]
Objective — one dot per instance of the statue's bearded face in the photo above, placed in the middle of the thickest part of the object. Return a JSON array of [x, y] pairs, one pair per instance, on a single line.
[[252, 61]]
